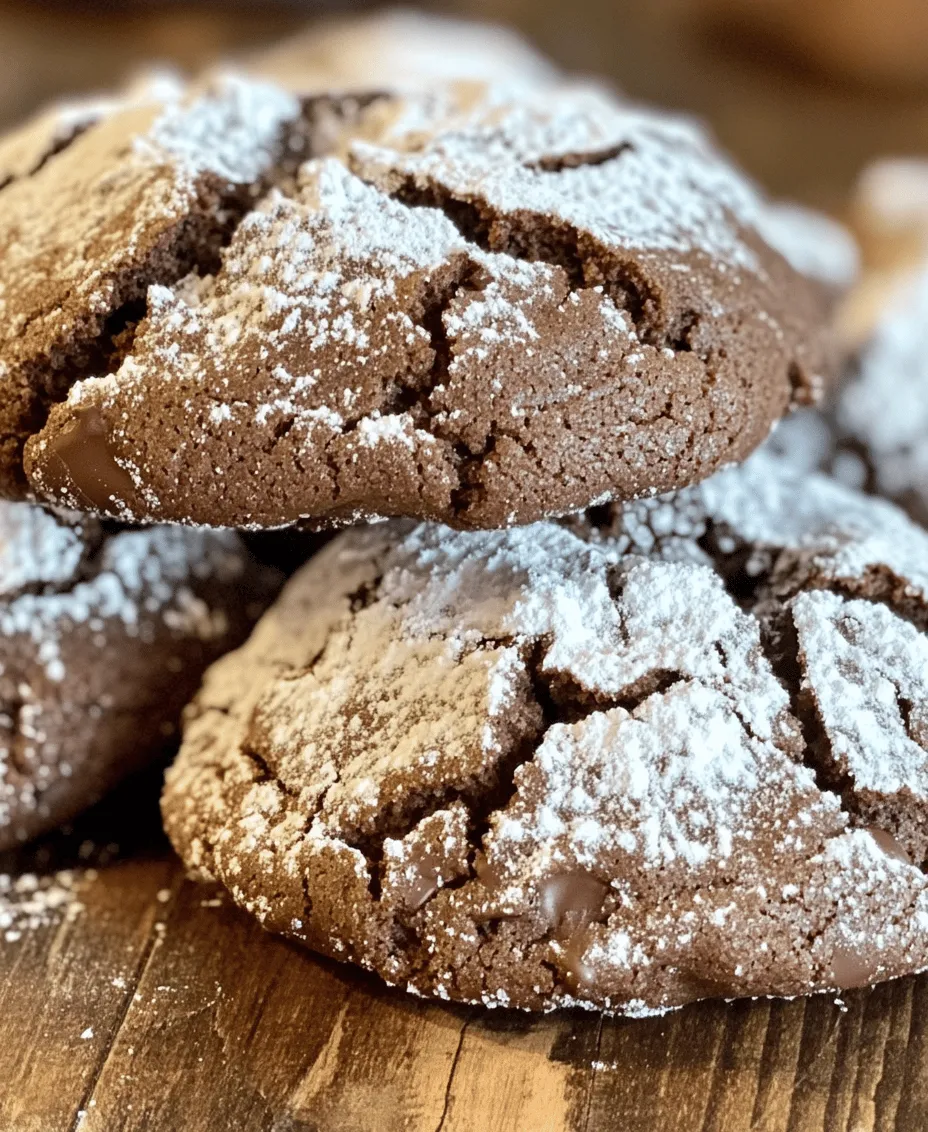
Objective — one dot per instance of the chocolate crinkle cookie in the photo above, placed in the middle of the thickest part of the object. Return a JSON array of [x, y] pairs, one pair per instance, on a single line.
[[463, 304], [656, 753], [104, 636], [872, 432], [881, 413]]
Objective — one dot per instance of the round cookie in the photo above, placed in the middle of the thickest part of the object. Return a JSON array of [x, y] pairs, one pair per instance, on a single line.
[[480, 308], [656, 753], [103, 638]]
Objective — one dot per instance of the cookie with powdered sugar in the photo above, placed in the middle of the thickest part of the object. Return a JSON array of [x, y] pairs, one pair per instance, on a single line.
[[103, 637], [664, 751], [873, 432], [881, 412], [470, 305]]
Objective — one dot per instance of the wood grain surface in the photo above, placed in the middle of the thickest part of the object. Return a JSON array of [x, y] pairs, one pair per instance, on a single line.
[[202, 1022]]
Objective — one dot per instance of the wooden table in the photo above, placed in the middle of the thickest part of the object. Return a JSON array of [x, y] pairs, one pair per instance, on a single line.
[[159, 1007]]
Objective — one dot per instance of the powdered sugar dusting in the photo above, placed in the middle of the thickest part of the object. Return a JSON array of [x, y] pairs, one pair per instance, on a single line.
[[225, 133], [29, 902], [37, 548], [101, 627], [884, 406], [232, 129], [814, 244], [450, 237], [23, 151], [664, 188], [685, 754], [825, 525], [653, 757], [140, 574], [868, 671]]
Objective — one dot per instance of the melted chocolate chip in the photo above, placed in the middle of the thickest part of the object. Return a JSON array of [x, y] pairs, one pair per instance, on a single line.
[[571, 899], [570, 902], [566, 901], [422, 876], [851, 969], [86, 464], [890, 846], [576, 973]]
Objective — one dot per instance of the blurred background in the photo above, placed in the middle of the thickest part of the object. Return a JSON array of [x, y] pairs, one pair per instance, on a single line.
[[804, 92]]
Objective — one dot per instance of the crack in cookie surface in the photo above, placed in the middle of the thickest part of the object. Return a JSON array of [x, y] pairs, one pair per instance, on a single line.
[[148, 191], [26, 150], [80, 603], [479, 312], [580, 762]]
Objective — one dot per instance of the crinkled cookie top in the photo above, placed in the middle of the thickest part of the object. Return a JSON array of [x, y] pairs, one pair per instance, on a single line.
[[464, 304], [103, 637], [659, 752]]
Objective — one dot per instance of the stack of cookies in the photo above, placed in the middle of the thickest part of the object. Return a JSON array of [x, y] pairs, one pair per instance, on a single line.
[[593, 704]]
